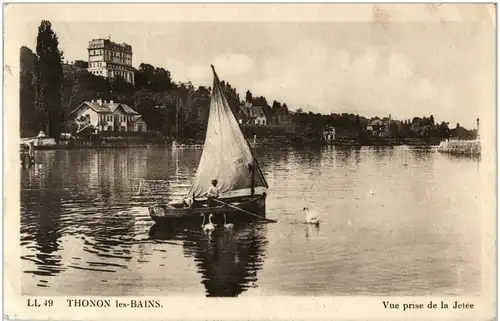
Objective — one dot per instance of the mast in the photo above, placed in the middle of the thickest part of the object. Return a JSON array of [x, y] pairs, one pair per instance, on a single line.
[[252, 170], [255, 163]]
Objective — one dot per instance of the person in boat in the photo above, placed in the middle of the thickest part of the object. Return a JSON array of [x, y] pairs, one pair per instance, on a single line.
[[213, 193]]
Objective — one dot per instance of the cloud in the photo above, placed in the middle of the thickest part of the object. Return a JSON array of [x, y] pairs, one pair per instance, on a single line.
[[370, 82], [233, 63], [199, 74]]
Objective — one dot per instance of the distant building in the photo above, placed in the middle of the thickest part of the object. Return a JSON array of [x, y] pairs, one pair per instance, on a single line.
[[329, 133], [252, 115], [379, 128], [110, 59], [81, 64], [108, 116]]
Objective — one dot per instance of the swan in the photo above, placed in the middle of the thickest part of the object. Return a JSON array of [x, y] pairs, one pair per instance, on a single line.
[[372, 192], [311, 216], [227, 225], [210, 220], [207, 227], [203, 223]]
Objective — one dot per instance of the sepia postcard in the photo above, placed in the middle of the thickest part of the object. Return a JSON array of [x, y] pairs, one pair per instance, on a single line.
[[244, 161]]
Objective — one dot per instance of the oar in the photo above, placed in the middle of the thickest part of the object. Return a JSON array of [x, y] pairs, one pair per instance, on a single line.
[[244, 211]]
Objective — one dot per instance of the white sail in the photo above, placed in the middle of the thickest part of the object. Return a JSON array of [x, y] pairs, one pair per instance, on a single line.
[[226, 154]]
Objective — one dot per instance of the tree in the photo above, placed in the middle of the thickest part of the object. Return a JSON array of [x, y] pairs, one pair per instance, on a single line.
[[48, 80], [394, 129], [29, 123], [248, 97], [259, 101], [153, 79], [357, 125]]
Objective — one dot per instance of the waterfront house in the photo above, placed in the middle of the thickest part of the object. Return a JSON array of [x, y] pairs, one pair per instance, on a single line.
[[378, 128], [108, 117], [251, 114], [329, 133]]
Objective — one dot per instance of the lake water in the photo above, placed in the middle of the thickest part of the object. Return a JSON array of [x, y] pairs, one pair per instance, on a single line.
[[394, 221]]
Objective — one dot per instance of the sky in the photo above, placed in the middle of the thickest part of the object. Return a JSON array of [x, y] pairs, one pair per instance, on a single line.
[[385, 62]]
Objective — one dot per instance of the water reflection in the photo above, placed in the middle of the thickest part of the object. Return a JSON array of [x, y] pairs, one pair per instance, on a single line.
[[227, 260], [85, 228], [40, 224]]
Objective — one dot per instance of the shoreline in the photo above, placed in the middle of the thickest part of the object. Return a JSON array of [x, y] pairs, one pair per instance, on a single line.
[[262, 144]]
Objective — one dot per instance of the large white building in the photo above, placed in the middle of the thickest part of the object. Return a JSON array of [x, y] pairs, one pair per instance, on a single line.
[[110, 59]]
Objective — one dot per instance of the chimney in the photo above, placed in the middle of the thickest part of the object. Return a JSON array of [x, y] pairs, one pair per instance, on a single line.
[[99, 101], [110, 101]]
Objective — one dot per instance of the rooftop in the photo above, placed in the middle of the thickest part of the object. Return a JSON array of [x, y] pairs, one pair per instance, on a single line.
[[252, 111], [377, 122], [100, 106], [102, 42]]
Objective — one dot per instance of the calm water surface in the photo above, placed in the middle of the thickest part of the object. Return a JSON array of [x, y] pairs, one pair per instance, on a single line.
[[395, 221]]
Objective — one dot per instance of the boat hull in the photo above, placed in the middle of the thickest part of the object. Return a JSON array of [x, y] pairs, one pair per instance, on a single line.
[[254, 204]]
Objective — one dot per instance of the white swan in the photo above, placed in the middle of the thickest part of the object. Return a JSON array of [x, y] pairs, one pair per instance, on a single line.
[[203, 223], [311, 216], [227, 225], [207, 227]]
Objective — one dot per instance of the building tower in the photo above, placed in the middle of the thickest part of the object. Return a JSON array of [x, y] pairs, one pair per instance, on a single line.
[[477, 130], [110, 60]]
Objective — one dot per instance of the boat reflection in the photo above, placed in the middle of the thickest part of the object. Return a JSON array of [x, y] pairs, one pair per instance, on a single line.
[[226, 259]]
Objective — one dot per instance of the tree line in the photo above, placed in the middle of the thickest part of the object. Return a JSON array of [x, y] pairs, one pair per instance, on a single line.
[[50, 90]]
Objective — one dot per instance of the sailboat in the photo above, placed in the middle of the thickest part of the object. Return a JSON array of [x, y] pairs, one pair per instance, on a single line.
[[228, 158]]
